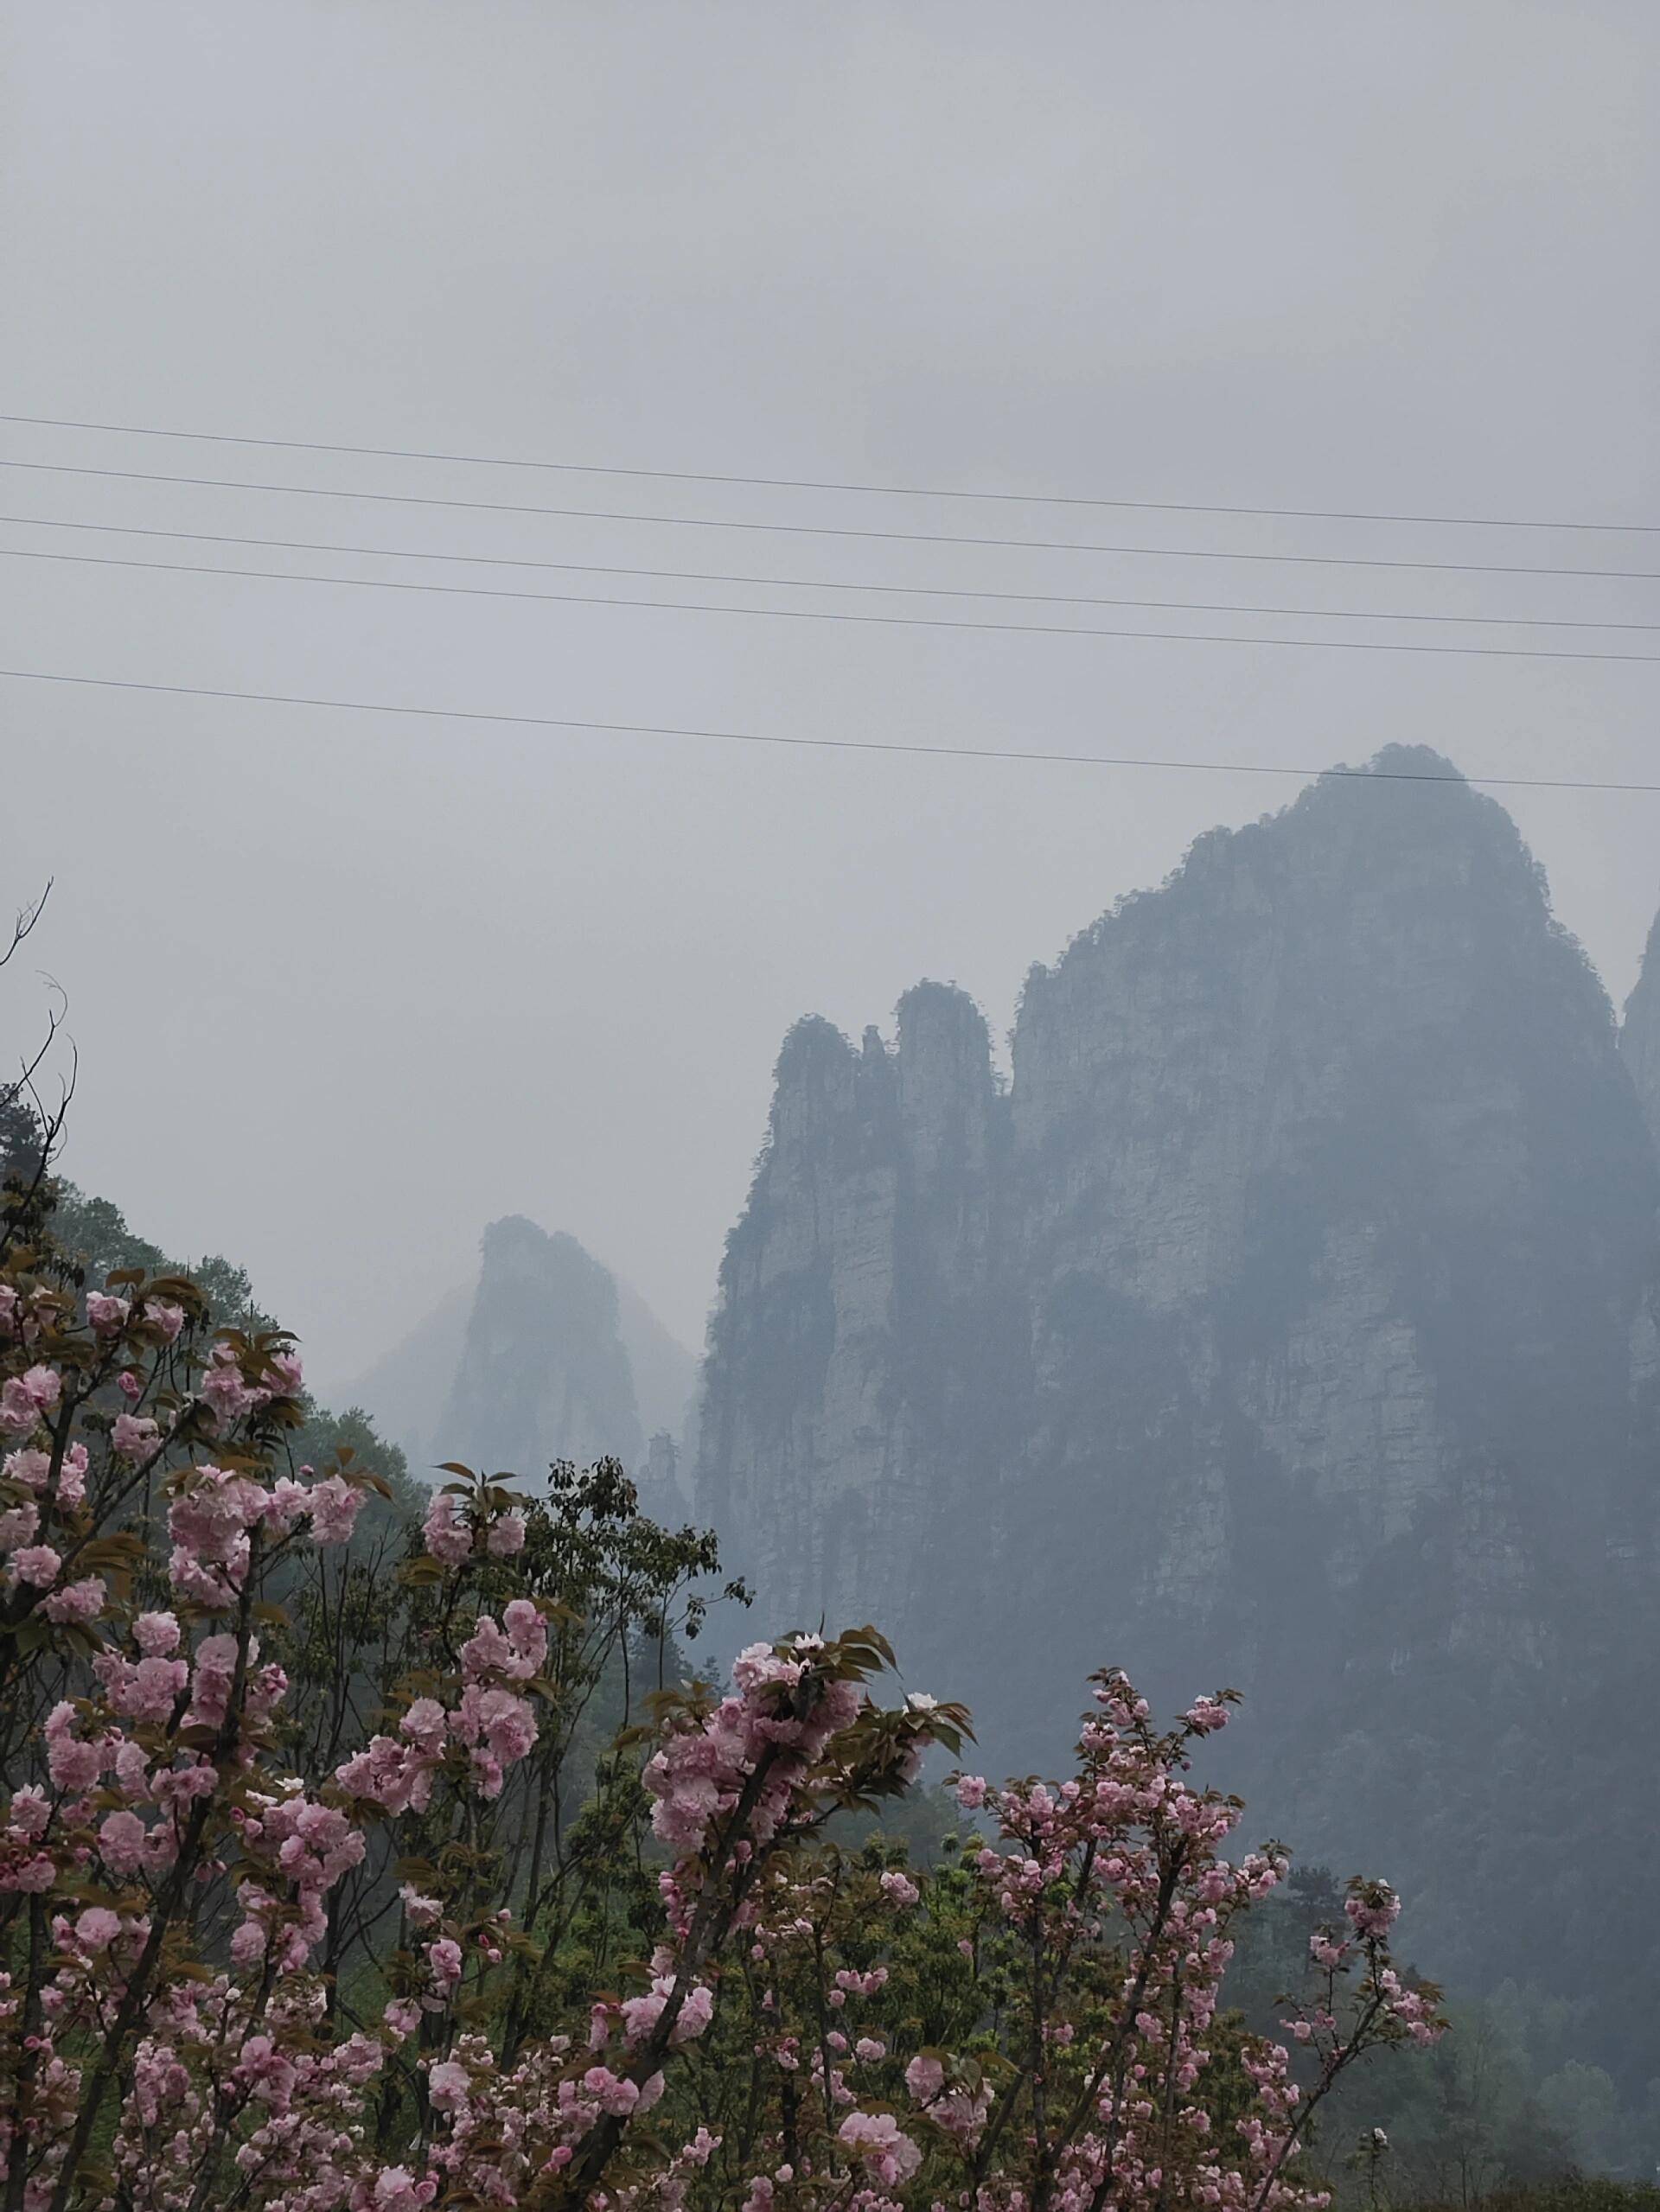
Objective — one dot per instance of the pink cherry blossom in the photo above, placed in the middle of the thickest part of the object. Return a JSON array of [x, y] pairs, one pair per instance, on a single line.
[[448, 1536], [335, 1506], [447, 2086], [25, 1398], [37, 1564], [224, 1389], [134, 1436], [166, 1316], [443, 1957], [875, 2138], [19, 1527], [156, 1634], [283, 1376], [122, 1838], [611, 2092], [924, 2078], [505, 1537], [81, 1601], [72, 1763]]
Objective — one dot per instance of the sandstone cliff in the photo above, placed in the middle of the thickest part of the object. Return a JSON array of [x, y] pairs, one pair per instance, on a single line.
[[548, 1357], [1287, 1323], [1639, 1034]]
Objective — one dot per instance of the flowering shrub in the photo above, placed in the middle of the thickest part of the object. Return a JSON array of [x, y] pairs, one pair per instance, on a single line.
[[300, 1912]]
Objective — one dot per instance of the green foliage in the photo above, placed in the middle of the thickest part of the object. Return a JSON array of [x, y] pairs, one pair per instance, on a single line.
[[1506, 2105], [94, 1234], [924, 1826], [1576, 2193]]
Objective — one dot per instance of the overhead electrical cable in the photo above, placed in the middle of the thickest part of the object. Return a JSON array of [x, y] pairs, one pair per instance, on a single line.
[[829, 530], [809, 583], [830, 614], [816, 744], [829, 484]]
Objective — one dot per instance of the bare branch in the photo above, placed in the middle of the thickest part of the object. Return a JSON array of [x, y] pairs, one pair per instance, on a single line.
[[27, 917]]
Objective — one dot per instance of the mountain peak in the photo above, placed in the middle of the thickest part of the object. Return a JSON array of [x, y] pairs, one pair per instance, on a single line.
[[550, 1357], [1399, 759], [1287, 1322]]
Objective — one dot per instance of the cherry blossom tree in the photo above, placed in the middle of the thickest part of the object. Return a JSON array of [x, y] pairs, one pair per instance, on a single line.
[[807, 2022]]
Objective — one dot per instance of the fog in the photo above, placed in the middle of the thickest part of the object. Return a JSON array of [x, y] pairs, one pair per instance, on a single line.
[[345, 986]]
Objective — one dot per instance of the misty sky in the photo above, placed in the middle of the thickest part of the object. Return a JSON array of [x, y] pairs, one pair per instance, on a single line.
[[347, 987]]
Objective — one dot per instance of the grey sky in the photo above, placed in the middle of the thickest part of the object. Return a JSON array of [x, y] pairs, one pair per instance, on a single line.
[[345, 988]]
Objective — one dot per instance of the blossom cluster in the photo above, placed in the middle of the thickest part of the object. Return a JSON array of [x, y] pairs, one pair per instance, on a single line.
[[490, 1728], [779, 1717]]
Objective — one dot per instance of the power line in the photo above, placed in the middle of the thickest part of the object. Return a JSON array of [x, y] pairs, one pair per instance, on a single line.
[[821, 484], [809, 583], [816, 744], [828, 530], [830, 614]]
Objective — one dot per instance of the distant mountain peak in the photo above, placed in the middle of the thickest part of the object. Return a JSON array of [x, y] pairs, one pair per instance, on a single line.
[[549, 1356], [1403, 759]]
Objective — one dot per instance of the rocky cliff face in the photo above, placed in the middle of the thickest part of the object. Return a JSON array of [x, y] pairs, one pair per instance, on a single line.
[[838, 1423], [1288, 1324], [1639, 1034], [549, 1357], [543, 1373]]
